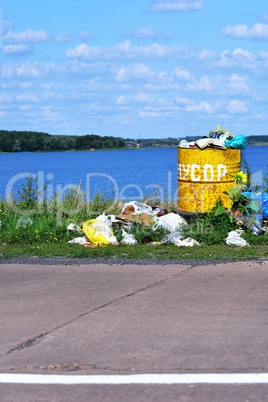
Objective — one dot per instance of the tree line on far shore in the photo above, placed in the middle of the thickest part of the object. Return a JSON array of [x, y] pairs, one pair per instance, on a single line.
[[33, 141]]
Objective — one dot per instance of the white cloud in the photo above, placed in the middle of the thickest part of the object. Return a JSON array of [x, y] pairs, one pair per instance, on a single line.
[[7, 25], [121, 100], [29, 36], [22, 85], [127, 51], [166, 77], [183, 75], [203, 84], [203, 106], [65, 37], [182, 101], [149, 114], [48, 113], [28, 70], [85, 52], [7, 71], [177, 5], [237, 107], [258, 31], [13, 50], [137, 71], [147, 33], [135, 98], [27, 97], [238, 58], [238, 84], [6, 98], [207, 54]]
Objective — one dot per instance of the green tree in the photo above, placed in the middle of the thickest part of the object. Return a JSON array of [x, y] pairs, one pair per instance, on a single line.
[[47, 145], [16, 146]]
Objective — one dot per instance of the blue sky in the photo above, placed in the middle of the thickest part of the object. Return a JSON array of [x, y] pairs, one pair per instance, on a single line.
[[143, 68]]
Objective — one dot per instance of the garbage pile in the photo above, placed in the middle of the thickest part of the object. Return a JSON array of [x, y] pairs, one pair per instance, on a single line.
[[99, 231], [218, 138]]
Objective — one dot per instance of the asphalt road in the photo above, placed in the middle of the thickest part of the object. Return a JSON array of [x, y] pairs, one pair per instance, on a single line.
[[109, 319]]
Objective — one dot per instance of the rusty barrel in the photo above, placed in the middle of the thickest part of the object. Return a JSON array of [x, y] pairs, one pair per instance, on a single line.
[[203, 175]]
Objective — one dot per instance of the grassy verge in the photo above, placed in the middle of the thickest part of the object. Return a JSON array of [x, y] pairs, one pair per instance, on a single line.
[[140, 251], [30, 228]]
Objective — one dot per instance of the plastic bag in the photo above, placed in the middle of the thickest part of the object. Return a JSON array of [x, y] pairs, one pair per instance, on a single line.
[[128, 238], [73, 227], [79, 240], [234, 238], [219, 131], [98, 232], [108, 219], [24, 221], [136, 207], [238, 142], [175, 238], [171, 222], [263, 199]]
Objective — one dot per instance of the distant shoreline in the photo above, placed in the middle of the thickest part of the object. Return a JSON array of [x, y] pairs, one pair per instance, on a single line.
[[108, 149], [88, 150]]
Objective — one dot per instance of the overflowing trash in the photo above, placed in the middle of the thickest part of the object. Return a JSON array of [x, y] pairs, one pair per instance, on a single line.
[[248, 210], [218, 138], [102, 230], [99, 231]]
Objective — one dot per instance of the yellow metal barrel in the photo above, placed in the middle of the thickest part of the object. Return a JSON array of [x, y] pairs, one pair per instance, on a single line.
[[203, 175]]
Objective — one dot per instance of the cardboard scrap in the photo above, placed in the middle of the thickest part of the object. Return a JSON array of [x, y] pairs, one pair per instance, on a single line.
[[145, 219]]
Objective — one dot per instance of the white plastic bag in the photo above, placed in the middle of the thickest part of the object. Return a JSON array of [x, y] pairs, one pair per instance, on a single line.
[[139, 207], [171, 222], [128, 238], [234, 238], [107, 219], [24, 221], [73, 227], [79, 240], [175, 238], [97, 232], [189, 242]]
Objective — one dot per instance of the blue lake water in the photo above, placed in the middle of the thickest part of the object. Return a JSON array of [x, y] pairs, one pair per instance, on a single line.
[[129, 174]]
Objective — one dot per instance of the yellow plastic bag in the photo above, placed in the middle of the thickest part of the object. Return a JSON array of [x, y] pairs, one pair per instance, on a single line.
[[97, 232]]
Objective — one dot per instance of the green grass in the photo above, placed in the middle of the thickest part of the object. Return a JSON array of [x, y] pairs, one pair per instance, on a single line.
[[141, 251], [43, 231]]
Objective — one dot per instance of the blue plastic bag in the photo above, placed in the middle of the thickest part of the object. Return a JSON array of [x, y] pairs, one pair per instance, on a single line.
[[263, 198], [238, 142]]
